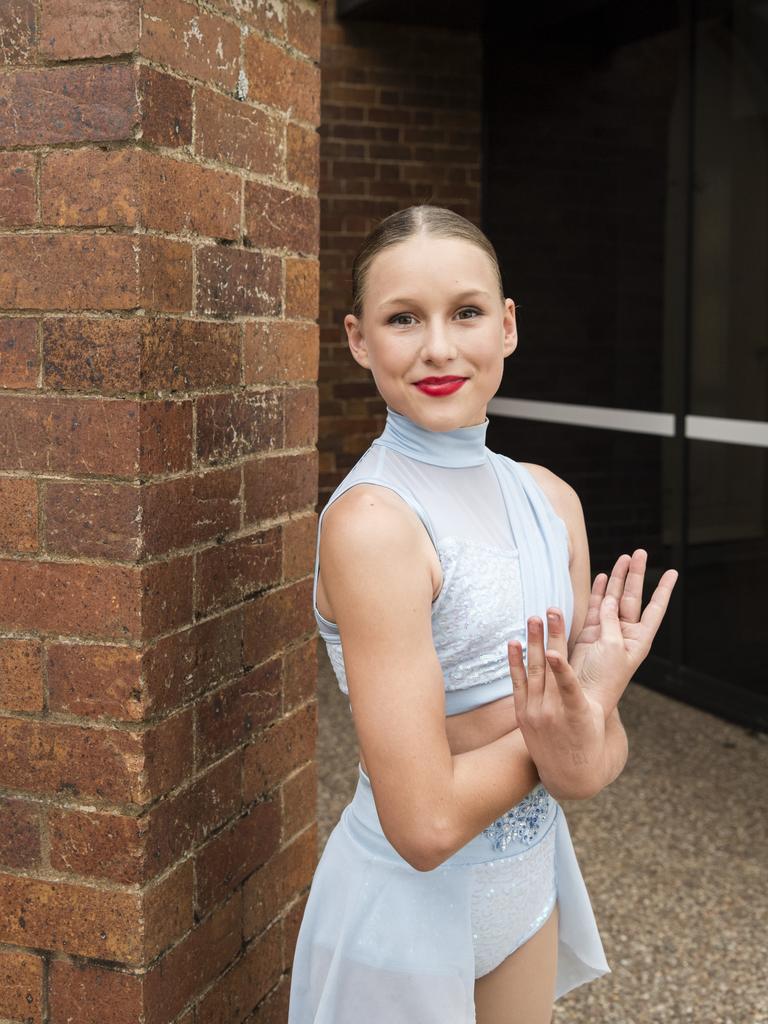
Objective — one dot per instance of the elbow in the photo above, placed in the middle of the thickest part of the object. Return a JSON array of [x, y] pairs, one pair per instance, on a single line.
[[426, 848]]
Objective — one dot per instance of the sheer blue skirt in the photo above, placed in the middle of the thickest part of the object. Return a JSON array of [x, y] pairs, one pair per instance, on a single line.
[[383, 943]]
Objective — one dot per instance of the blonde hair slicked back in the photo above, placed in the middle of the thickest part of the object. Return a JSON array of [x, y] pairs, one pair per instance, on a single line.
[[437, 221]]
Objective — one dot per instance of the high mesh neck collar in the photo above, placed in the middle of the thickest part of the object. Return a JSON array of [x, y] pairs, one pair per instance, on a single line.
[[464, 446]]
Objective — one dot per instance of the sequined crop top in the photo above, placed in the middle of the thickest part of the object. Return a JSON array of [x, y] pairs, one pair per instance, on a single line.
[[502, 548]]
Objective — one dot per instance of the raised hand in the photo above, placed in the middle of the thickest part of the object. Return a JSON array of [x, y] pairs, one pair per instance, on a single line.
[[562, 724], [594, 658]]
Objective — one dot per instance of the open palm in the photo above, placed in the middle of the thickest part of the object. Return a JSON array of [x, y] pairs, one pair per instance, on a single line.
[[598, 660]]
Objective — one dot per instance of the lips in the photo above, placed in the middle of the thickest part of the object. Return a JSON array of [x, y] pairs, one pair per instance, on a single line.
[[440, 385]]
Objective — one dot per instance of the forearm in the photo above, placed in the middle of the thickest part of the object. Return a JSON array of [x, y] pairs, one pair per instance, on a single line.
[[616, 748], [486, 782]]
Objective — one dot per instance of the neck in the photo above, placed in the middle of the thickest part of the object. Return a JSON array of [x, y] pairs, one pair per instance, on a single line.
[[464, 446]]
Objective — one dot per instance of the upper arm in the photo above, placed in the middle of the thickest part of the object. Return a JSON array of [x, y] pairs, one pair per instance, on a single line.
[[378, 580], [567, 505]]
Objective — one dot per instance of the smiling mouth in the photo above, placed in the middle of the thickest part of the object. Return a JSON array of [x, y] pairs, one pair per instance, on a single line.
[[439, 380]]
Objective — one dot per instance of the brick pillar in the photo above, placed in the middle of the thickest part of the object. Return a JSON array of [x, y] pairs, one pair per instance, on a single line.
[[401, 124], [158, 477]]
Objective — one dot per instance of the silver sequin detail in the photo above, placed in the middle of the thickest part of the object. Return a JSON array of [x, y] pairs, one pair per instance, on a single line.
[[522, 822], [511, 898], [479, 608]]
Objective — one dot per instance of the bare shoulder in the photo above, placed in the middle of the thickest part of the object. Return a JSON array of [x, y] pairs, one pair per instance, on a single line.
[[563, 497], [367, 506]]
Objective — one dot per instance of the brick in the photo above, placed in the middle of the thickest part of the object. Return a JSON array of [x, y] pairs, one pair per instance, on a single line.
[[18, 206], [82, 103], [189, 354], [234, 570], [263, 15], [95, 845], [300, 674], [181, 667], [112, 764], [19, 353], [277, 882], [190, 967], [166, 595], [138, 354], [280, 350], [90, 187], [229, 717], [165, 104], [21, 675], [240, 989], [281, 79], [279, 484], [180, 196], [76, 919], [177, 825], [301, 412], [97, 601], [18, 514], [17, 31], [168, 909], [21, 990], [303, 156], [84, 28], [238, 282], [299, 800], [165, 274], [92, 519], [228, 131], [20, 841], [191, 41], [92, 355], [279, 750], [190, 510], [299, 537], [273, 1008], [236, 424], [302, 282], [279, 218], [165, 436], [303, 28], [235, 852], [275, 618], [95, 680], [93, 994], [291, 925]]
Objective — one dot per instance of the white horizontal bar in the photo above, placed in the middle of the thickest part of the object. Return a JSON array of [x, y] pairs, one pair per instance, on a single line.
[[717, 428], [633, 420], [697, 428]]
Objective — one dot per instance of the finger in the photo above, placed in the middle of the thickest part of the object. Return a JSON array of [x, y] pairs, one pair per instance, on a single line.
[[610, 627], [631, 601], [592, 617], [657, 606], [615, 586], [537, 665], [567, 681], [556, 638], [519, 680]]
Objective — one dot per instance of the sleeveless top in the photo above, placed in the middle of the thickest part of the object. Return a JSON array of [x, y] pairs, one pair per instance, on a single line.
[[502, 548]]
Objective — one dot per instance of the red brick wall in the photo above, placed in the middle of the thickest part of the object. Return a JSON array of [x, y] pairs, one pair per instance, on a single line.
[[159, 244], [401, 124]]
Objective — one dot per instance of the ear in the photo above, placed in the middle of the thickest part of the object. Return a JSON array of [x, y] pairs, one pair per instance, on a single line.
[[509, 324], [357, 345]]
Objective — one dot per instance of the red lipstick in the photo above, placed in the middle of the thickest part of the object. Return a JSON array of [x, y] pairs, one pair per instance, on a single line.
[[439, 385]]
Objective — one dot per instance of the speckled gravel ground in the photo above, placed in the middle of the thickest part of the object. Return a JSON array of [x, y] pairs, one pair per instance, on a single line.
[[674, 854]]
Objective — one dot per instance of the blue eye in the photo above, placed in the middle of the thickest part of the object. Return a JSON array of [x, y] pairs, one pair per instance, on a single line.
[[466, 309]]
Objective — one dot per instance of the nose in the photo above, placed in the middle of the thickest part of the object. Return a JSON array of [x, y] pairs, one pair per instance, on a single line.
[[437, 345]]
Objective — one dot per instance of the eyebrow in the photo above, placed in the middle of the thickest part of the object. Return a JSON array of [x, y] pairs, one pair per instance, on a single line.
[[414, 302]]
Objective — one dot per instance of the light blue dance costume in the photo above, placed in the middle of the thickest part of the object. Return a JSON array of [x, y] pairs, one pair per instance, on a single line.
[[381, 942]]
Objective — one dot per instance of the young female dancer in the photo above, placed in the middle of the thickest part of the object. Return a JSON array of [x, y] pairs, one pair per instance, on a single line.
[[483, 672]]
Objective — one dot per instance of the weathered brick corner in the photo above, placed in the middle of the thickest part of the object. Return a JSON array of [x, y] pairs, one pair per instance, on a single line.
[[159, 247]]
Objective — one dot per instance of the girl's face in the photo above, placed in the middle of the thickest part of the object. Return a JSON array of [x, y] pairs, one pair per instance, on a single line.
[[432, 309]]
